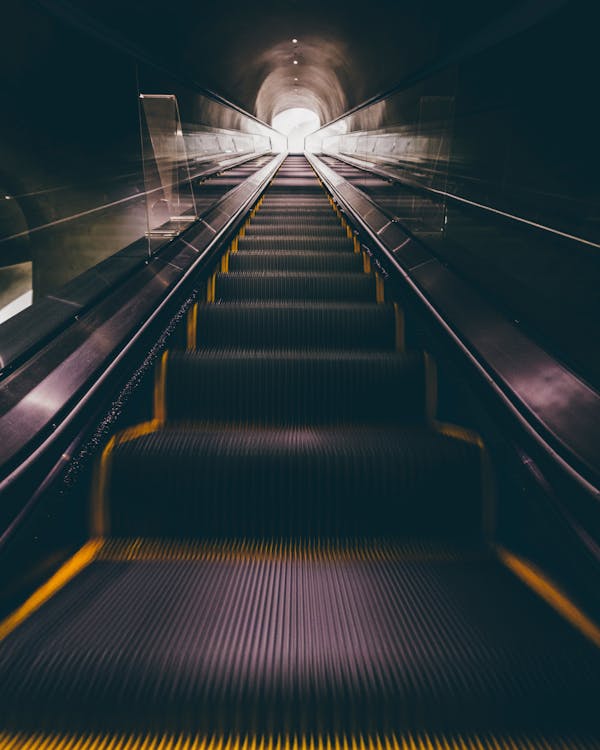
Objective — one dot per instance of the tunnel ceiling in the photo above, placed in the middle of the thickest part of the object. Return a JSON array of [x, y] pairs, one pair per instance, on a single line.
[[346, 52]]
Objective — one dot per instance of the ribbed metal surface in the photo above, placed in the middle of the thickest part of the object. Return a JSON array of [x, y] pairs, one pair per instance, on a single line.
[[282, 286], [245, 481], [286, 643], [292, 229], [296, 387], [282, 242], [296, 261], [313, 741], [297, 558], [297, 326]]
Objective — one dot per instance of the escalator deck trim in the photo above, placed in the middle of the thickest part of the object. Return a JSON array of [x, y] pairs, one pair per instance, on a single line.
[[193, 741]]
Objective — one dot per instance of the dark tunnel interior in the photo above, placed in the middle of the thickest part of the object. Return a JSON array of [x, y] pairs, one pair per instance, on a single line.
[[299, 375]]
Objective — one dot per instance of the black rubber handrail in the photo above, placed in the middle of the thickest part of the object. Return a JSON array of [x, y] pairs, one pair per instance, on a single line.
[[41, 407], [556, 434]]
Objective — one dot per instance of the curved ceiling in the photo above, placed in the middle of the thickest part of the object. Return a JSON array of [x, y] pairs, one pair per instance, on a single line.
[[345, 52]]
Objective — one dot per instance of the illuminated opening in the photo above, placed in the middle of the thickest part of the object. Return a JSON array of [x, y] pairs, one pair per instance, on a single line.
[[296, 123]]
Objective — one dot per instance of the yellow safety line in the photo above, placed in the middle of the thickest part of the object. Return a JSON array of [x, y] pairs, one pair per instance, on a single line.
[[185, 740], [379, 289], [98, 519], [99, 508], [431, 387], [234, 245], [160, 389], [63, 575], [551, 594], [356, 244], [399, 320], [192, 328], [366, 262], [138, 548], [211, 288], [225, 262], [458, 432], [488, 486]]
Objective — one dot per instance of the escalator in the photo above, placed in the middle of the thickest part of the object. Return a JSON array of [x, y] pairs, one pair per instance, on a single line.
[[294, 552]]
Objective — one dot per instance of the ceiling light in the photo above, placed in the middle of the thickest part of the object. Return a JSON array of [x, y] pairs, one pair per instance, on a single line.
[[294, 41], [295, 62]]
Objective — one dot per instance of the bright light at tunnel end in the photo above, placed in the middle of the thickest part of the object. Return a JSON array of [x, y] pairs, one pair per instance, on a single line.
[[296, 123]]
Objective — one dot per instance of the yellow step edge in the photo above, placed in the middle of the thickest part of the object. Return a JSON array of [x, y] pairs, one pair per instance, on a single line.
[[366, 262], [225, 262], [100, 526], [189, 740], [545, 588], [488, 484], [379, 289], [160, 389], [192, 328], [72, 567], [211, 288]]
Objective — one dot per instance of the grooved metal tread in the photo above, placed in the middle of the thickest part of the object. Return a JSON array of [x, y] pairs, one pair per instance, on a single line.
[[261, 260], [241, 479], [288, 324], [308, 286], [296, 559], [306, 387], [277, 641], [276, 242]]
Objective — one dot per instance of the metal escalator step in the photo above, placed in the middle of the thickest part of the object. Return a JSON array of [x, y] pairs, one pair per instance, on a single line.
[[245, 481], [325, 217], [332, 287], [312, 326], [351, 642], [285, 228], [318, 209], [296, 387], [168, 739], [282, 242], [250, 260]]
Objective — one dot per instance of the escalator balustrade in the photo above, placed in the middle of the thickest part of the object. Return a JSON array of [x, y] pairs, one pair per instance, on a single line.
[[294, 553]]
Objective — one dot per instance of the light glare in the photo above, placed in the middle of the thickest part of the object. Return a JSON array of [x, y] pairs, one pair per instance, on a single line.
[[296, 123]]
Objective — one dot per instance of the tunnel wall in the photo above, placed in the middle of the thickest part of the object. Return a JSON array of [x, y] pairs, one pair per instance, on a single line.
[[512, 129], [74, 169]]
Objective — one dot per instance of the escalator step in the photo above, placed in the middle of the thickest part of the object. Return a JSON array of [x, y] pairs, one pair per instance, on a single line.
[[299, 387], [298, 261], [333, 287], [293, 212], [301, 482], [283, 242], [265, 217], [287, 229], [323, 326], [339, 642]]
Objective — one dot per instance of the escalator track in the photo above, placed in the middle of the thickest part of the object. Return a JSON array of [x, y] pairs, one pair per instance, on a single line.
[[293, 552]]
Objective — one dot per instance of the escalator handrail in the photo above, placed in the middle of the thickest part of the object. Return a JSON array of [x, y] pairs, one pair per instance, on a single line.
[[27, 331], [55, 398], [558, 445]]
